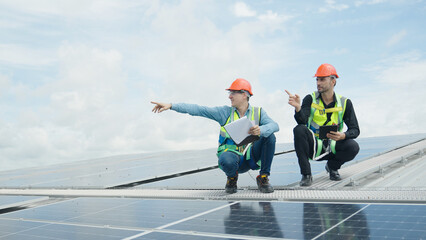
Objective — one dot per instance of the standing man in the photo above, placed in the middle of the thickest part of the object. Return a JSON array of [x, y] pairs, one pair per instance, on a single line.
[[324, 107], [233, 159]]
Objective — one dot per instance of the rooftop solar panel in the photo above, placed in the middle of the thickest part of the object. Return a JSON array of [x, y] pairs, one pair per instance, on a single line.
[[223, 218], [13, 201], [284, 170], [96, 218], [117, 170]]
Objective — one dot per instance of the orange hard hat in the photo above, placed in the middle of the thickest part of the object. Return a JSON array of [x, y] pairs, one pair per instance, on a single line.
[[326, 70], [240, 84]]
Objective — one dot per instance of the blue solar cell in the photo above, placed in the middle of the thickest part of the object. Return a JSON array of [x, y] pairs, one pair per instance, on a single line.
[[19, 229], [175, 236], [126, 212], [13, 201], [285, 167], [112, 171], [94, 217]]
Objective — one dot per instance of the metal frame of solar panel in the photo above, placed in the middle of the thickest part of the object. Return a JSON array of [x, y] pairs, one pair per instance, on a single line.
[[76, 217]]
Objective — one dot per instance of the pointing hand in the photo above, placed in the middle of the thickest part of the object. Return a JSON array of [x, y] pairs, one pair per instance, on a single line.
[[294, 100], [159, 107]]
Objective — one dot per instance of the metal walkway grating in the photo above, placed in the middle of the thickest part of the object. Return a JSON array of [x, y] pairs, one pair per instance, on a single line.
[[352, 174], [322, 190], [381, 195]]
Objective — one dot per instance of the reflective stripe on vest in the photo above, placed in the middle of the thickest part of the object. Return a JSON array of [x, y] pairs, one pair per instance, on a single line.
[[318, 117], [227, 144]]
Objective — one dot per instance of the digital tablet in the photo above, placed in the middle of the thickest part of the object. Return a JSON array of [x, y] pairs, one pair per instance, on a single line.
[[326, 129]]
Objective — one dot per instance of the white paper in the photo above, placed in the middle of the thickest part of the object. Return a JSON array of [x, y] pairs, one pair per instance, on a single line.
[[238, 130]]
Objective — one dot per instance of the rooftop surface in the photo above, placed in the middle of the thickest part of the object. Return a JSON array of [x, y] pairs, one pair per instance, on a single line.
[[179, 195]]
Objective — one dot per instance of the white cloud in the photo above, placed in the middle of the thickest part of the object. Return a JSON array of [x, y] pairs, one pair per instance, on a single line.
[[22, 55], [273, 17], [77, 8], [396, 38], [243, 10], [81, 117], [4, 84], [331, 5], [340, 51], [91, 112], [95, 84], [368, 2], [397, 103]]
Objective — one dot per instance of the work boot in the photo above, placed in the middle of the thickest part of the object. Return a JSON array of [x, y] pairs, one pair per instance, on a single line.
[[263, 184], [334, 174], [306, 181], [231, 184]]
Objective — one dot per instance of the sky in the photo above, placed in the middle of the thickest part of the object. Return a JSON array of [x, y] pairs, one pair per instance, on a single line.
[[77, 76]]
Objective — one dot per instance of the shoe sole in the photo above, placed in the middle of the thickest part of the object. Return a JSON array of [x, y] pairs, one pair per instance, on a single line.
[[231, 191], [305, 185], [266, 191], [328, 171]]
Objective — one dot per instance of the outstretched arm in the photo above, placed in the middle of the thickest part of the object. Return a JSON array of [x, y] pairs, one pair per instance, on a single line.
[[219, 114], [159, 107]]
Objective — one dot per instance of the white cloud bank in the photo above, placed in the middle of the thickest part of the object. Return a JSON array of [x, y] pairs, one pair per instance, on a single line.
[[92, 99], [398, 102], [243, 10]]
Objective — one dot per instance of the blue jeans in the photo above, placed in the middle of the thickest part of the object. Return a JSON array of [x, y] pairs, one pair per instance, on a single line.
[[262, 149]]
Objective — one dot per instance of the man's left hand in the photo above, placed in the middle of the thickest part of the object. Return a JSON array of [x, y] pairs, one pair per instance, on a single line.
[[336, 136], [255, 130]]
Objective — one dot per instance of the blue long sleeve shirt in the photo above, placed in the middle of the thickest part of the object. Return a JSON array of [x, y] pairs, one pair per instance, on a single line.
[[221, 114]]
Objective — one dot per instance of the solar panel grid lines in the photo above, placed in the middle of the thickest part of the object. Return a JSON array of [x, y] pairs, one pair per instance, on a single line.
[[15, 201], [281, 219], [103, 173], [337, 224], [106, 172], [181, 220], [44, 228], [207, 212]]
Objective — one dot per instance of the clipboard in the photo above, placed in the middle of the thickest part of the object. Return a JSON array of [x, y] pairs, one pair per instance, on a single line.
[[323, 130], [238, 131]]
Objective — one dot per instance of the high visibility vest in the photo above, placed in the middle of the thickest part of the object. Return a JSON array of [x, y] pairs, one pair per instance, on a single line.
[[318, 117], [227, 144]]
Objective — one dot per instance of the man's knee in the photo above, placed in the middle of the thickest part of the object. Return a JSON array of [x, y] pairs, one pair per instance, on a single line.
[[349, 149], [271, 139], [299, 130], [353, 149], [228, 160]]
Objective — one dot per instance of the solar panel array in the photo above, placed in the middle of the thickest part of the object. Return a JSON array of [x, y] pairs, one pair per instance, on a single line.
[[135, 218], [116, 218]]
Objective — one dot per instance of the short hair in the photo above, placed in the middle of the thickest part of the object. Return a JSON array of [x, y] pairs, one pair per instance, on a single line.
[[334, 77]]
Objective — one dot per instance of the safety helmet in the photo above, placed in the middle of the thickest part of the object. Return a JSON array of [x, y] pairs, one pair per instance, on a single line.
[[326, 70], [240, 84]]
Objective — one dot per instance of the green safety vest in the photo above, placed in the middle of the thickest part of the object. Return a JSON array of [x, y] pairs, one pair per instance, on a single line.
[[318, 117], [225, 141]]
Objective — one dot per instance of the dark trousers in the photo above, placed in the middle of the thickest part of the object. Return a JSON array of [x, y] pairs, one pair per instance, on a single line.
[[346, 150], [263, 149]]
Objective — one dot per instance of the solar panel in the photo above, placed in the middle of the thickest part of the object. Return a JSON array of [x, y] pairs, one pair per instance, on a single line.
[[117, 218], [113, 171], [136, 218], [13, 201], [285, 168]]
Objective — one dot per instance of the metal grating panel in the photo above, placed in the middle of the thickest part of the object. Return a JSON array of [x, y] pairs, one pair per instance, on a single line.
[[373, 195], [352, 173]]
